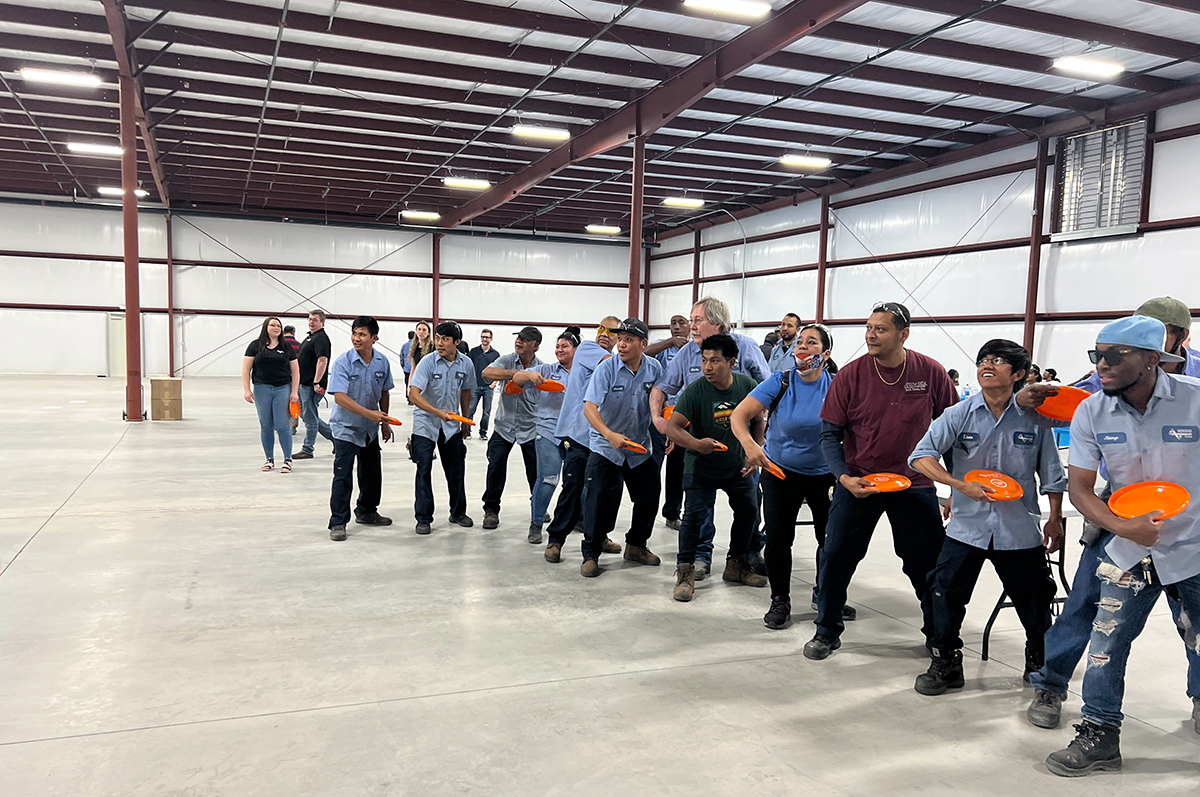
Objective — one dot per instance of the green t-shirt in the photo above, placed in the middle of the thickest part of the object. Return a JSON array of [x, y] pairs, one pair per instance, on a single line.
[[709, 411]]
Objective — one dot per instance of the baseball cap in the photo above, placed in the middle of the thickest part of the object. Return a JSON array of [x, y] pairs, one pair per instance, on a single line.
[[1167, 310], [632, 326], [1140, 332], [530, 333]]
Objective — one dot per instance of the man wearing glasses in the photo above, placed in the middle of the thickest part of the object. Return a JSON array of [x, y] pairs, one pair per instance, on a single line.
[[482, 356], [875, 413]]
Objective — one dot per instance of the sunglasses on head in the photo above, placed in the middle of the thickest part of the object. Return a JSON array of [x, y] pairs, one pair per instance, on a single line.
[[892, 309], [1110, 356]]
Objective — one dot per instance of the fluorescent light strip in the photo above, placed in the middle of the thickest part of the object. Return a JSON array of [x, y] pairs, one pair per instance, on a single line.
[[806, 161], [1088, 66], [108, 190], [420, 215], [603, 229], [535, 131], [68, 78], [466, 182], [747, 8], [83, 148], [683, 202]]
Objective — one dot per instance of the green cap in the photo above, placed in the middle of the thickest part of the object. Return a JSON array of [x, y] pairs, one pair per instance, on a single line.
[[1167, 310]]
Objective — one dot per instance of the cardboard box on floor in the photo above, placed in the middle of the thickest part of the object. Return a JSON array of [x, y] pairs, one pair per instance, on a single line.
[[166, 398]]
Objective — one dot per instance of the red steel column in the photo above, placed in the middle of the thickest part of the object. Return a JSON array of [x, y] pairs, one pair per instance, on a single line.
[[695, 267], [635, 223], [170, 297], [129, 218], [1035, 242], [437, 278], [822, 258]]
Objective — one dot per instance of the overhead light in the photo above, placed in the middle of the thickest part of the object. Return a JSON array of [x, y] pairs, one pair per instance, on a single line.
[[1088, 66], [806, 161], [69, 78], [466, 182], [83, 148], [108, 190], [536, 131], [747, 8], [420, 215], [603, 229], [683, 202]]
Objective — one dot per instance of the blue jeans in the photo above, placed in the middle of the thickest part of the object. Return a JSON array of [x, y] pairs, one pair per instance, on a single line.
[[271, 401], [309, 404], [486, 394], [1126, 600], [550, 454], [700, 496]]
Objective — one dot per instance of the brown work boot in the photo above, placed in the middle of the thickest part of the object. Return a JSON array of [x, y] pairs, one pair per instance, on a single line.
[[685, 583], [608, 546], [553, 552], [590, 568], [643, 556], [737, 571]]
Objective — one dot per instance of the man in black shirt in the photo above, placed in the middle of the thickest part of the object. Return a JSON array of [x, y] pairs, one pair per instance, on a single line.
[[482, 355], [314, 357]]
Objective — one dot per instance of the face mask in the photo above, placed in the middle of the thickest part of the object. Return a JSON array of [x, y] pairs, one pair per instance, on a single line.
[[809, 364]]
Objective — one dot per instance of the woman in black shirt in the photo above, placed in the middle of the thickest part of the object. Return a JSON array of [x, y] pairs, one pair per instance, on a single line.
[[270, 364]]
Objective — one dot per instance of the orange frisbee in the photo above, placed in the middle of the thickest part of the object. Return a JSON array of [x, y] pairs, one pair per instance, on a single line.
[[632, 446], [551, 386], [668, 412], [512, 388], [461, 419], [1139, 499], [721, 447], [775, 470], [889, 482], [1061, 407], [294, 409], [391, 421], [1004, 488]]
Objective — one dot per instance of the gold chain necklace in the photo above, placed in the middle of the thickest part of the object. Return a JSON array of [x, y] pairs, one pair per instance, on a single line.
[[902, 370]]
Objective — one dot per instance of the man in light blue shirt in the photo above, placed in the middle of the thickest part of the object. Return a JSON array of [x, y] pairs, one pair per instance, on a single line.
[[441, 386], [665, 351], [359, 381], [617, 406], [988, 432], [515, 423], [783, 353], [1144, 428]]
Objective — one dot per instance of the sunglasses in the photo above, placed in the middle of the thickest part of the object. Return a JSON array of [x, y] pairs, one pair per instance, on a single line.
[[1110, 356], [603, 330], [893, 309]]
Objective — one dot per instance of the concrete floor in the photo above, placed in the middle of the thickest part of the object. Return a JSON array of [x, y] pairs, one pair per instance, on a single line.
[[175, 622]]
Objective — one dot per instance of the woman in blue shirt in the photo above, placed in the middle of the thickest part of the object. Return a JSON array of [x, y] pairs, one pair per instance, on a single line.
[[794, 399]]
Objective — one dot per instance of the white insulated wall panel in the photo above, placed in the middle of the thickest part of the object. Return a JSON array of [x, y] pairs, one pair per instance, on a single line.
[[1026, 152], [530, 302], [774, 295], [666, 302], [787, 218], [77, 230], [534, 260], [795, 250], [33, 280], [671, 269], [1177, 116], [80, 347], [675, 243], [1176, 175]]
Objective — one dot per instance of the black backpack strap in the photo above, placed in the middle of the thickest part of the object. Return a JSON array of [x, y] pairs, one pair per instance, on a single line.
[[787, 380]]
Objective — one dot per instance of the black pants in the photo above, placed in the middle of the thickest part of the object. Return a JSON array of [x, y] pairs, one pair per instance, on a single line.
[[453, 453], [917, 535], [497, 471], [1027, 581], [701, 495], [673, 485], [370, 480], [569, 508], [781, 506], [602, 501]]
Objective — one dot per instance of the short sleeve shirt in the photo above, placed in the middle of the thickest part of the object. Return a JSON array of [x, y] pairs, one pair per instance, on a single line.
[[550, 404], [314, 347], [364, 383], [572, 425], [271, 366], [516, 419], [708, 410], [781, 358], [794, 429], [482, 359], [441, 383], [685, 366], [623, 398]]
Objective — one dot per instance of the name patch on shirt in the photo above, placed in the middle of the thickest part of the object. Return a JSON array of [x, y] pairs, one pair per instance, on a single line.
[[968, 437], [695, 369], [617, 388], [1180, 434], [1024, 438], [380, 374], [1110, 438]]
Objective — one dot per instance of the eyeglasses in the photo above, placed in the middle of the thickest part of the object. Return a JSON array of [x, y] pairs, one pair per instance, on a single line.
[[603, 330], [1110, 356], [992, 361], [892, 308]]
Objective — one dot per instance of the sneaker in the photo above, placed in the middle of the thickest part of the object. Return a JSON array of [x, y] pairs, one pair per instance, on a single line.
[[337, 533], [467, 435], [1045, 710], [483, 435], [780, 614], [685, 583], [737, 571], [849, 613], [757, 564], [610, 546], [491, 520], [673, 524], [546, 519], [590, 568], [535, 535], [302, 455], [1096, 748], [553, 552], [424, 528], [945, 672], [462, 520], [702, 568], [373, 519], [641, 555], [820, 646]]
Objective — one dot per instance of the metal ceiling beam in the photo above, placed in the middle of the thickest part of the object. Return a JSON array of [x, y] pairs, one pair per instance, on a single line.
[[34, 122], [1178, 5]]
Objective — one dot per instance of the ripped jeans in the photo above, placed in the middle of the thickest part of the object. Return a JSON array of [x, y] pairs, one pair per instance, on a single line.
[[1126, 600], [550, 454]]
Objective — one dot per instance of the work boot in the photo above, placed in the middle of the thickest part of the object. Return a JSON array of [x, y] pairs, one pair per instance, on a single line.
[[737, 571], [535, 535], [757, 563], [590, 568], [820, 646], [641, 555], [780, 614], [1045, 710], [462, 520], [373, 519], [1096, 748], [945, 672], [553, 552], [849, 613], [609, 546], [424, 528], [703, 568], [685, 583], [491, 520], [673, 524], [337, 533]]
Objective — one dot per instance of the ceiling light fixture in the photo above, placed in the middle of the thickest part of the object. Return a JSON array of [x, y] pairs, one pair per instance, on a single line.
[[108, 190], [1088, 66], [420, 215], [603, 229], [466, 182], [68, 78], [537, 131], [813, 162], [683, 202], [747, 8], [83, 148]]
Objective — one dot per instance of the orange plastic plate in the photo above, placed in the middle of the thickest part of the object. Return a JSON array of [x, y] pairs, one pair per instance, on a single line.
[[1061, 407], [889, 482], [391, 421], [775, 470], [461, 419], [512, 388], [632, 446], [1004, 487], [1139, 499], [551, 386]]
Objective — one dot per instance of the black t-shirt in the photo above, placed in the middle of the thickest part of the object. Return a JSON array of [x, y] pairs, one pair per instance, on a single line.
[[271, 366], [314, 347], [709, 410], [482, 359]]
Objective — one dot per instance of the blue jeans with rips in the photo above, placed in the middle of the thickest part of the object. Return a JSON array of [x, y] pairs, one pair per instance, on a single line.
[[550, 454]]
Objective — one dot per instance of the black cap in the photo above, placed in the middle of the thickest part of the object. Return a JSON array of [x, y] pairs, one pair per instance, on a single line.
[[632, 326], [530, 333]]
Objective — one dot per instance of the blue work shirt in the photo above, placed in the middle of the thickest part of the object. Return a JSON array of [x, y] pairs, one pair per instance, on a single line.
[[404, 356], [666, 355], [623, 398], [363, 384], [1162, 445], [782, 357], [571, 422], [550, 404], [441, 382], [685, 368], [1017, 445], [516, 418], [794, 429], [1190, 368]]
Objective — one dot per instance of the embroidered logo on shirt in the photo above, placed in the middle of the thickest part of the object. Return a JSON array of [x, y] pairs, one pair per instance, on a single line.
[[380, 374], [1024, 438], [916, 387], [968, 437], [1109, 438], [1180, 434]]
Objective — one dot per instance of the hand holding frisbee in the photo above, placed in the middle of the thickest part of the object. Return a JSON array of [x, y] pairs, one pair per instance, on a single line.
[[1139, 499], [512, 388], [551, 386], [774, 470], [629, 445], [1061, 405], [718, 446], [1003, 488], [888, 482], [388, 419], [456, 417]]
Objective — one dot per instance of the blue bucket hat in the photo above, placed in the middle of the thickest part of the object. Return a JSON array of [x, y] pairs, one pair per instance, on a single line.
[[1139, 332]]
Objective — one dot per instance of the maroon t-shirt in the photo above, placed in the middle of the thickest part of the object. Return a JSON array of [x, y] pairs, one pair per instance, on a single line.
[[885, 422]]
